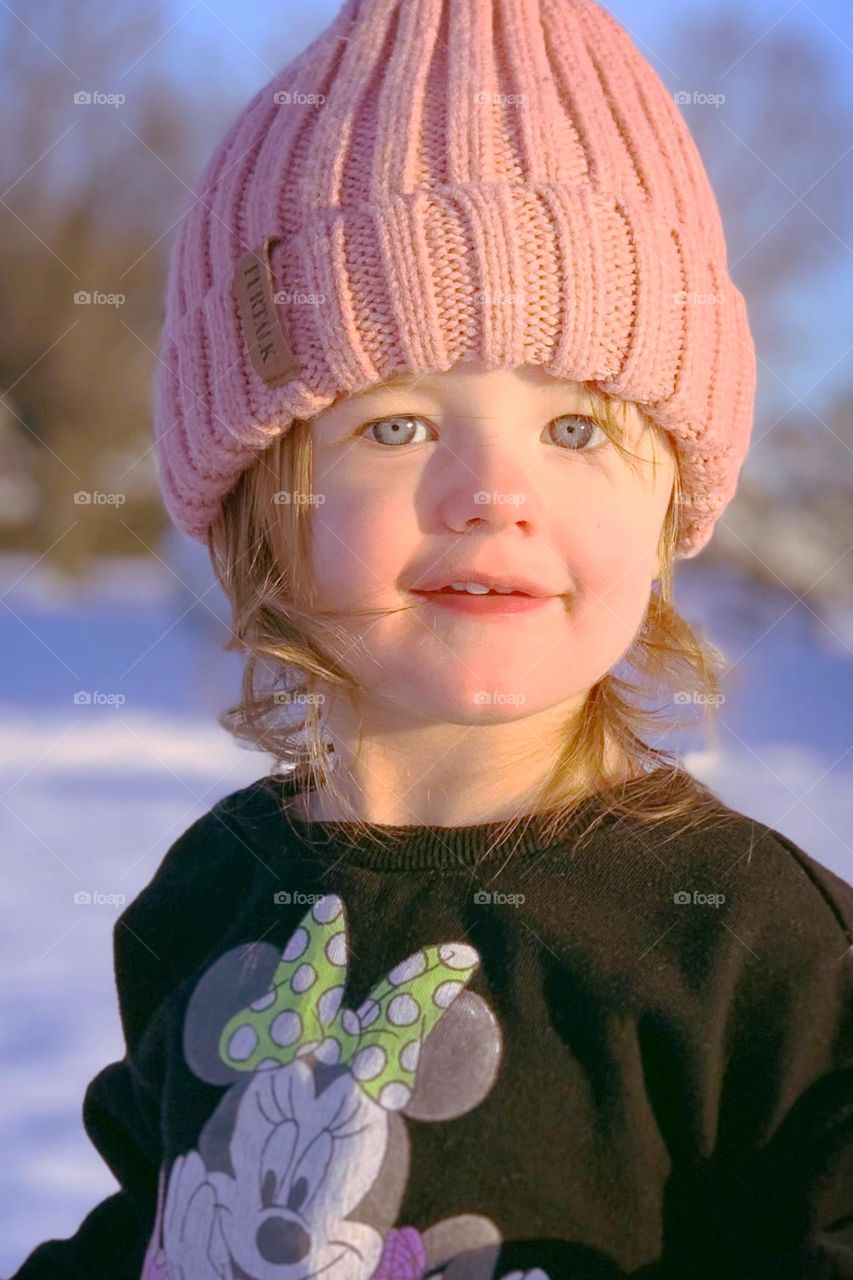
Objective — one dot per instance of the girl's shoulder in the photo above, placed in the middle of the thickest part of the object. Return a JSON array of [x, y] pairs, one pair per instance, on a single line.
[[764, 875], [213, 860], [207, 875]]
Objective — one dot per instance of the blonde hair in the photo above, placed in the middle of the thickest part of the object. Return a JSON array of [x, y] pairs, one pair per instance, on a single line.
[[260, 551]]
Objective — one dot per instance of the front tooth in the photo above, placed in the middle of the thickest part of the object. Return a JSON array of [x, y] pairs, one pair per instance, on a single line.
[[474, 587]]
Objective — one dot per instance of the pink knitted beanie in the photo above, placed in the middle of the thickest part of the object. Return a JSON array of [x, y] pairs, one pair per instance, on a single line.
[[439, 180]]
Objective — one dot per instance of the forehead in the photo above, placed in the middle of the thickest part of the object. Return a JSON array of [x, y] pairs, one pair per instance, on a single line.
[[470, 378]]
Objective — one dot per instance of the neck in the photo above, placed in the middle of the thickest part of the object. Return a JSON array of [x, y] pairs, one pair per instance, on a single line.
[[442, 796]]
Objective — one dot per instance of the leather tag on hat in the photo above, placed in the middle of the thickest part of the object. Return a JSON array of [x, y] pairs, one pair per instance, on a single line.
[[269, 351]]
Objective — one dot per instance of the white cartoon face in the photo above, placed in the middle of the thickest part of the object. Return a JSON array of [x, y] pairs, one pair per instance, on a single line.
[[302, 1159]]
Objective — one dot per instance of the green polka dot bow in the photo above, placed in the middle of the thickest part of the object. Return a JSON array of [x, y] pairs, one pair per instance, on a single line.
[[301, 1013]]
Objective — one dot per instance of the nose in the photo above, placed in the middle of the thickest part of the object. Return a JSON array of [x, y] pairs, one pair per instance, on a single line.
[[282, 1240]]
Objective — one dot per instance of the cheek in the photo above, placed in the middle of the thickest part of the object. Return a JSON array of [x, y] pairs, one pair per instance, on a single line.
[[358, 546], [611, 551], [611, 530]]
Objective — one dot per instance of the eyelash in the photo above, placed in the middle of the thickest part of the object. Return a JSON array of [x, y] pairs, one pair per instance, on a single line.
[[411, 417]]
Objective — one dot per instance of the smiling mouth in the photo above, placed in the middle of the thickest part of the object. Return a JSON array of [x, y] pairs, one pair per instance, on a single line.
[[483, 604], [239, 1274], [451, 591]]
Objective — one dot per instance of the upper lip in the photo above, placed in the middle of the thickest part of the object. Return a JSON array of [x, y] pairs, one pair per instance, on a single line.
[[513, 581]]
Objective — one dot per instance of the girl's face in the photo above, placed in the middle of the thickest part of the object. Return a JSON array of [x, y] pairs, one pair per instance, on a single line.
[[478, 471]]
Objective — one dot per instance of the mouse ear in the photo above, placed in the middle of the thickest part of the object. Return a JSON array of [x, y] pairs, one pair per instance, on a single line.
[[295, 1013], [399, 1014], [459, 1061], [236, 979]]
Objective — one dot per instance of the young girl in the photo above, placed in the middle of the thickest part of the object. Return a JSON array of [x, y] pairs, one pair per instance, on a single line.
[[478, 982]]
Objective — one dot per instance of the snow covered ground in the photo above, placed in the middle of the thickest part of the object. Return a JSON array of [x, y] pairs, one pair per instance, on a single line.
[[93, 793]]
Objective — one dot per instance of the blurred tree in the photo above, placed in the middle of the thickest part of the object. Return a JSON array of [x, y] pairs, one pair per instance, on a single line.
[[794, 523], [91, 192], [778, 152]]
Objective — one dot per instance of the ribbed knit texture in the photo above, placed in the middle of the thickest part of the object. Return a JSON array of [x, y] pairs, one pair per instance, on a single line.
[[436, 217], [411, 847]]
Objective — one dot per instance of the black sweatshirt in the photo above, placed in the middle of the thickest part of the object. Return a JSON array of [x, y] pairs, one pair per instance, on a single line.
[[466, 1059]]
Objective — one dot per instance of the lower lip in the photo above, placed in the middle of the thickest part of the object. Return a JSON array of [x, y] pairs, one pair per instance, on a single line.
[[483, 605]]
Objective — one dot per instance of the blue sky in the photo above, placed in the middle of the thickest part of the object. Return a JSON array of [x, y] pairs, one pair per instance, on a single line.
[[271, 38]]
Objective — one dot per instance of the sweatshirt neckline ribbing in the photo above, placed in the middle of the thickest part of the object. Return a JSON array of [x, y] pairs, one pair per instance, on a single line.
[[425, 847]]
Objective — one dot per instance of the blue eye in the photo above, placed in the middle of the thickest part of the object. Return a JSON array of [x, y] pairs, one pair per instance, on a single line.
[[581, 430], [397, 434]]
